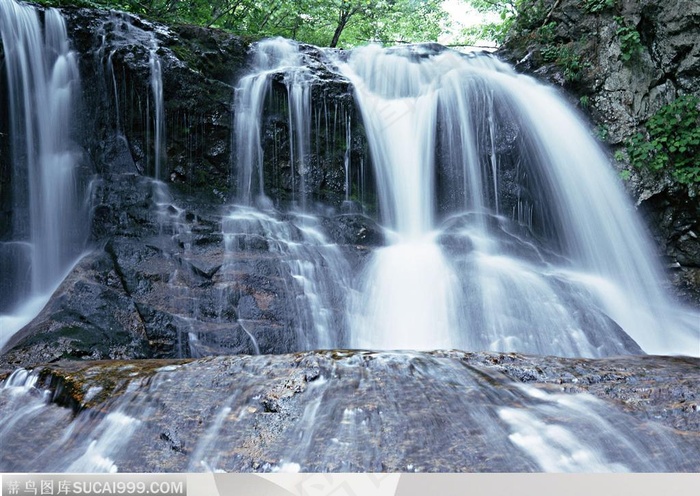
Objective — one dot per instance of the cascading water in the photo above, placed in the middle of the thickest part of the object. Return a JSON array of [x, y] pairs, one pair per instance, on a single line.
[[275, 57], [117, 34], [49, 215], [319, 272], [506, 232], [319, 412], [407, 298], [158, 110], [484, 179], [317, 267], [458, 274]]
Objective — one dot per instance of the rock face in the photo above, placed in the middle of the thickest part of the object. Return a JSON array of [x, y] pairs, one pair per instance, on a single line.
[[356, 411], [115, 56], [589, 48]]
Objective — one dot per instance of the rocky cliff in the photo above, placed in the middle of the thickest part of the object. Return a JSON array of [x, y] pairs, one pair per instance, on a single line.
[[620, 61]]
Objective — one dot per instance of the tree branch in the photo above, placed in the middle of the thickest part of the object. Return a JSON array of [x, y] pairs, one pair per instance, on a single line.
[[549, 14]]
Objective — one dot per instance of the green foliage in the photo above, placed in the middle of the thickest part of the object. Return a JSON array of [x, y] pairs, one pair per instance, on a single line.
[[75, 3], [672, 141], [630, 42], [321, 22], [491, 31], [550, 53], [571, 62], [602, 132], [507, 10], [547, 32], [625, 175], [595, 6], [532, 13], [585, 101], [566, 57], [515, 16]]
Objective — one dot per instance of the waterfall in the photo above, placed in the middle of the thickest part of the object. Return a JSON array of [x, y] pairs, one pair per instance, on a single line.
[[48, 212], [117, 34], [274, 57], [507, 228], [318, 269], [557, 264], [158, 110]]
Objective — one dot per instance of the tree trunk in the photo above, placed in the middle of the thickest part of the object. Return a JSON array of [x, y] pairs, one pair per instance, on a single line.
[[338, 31]]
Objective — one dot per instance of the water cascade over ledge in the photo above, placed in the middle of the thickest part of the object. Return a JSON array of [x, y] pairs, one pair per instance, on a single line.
[[327, 412], [507, 228]]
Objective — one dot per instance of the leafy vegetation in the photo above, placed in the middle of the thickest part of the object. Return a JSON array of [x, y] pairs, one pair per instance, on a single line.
[[321, 22], [602, 132], [672, 141], [547, 32], [526, 13], [625, 175], [584, 101], [595, 6], [630, 41], [565, 56], [506, 12]]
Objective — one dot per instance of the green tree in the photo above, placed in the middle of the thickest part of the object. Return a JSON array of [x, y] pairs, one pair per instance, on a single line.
[[523, 14], [321, 22], [506, 11]]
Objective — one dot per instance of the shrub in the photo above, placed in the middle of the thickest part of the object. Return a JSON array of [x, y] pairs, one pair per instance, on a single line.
[[672, 140]]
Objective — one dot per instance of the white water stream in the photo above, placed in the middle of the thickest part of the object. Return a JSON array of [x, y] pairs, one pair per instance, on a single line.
[[49, 216]]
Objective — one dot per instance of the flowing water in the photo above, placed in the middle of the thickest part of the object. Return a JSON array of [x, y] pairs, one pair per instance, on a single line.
[[119, 32], [49, 213], [275, 57], [507, 228], [317, 412], [318, 269], [159, 111], [417, 100], [50, 204]]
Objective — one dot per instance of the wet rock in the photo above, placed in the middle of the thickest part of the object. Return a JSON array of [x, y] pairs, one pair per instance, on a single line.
[[173, 440], [675, 220], [627, 381], [90, 316], [354, 229], [199, 69]]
